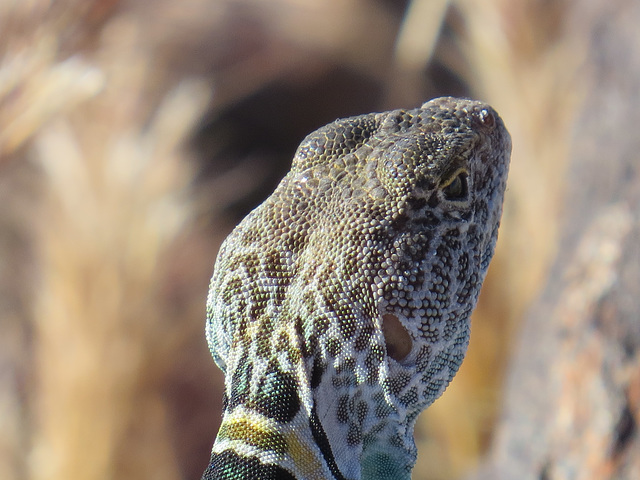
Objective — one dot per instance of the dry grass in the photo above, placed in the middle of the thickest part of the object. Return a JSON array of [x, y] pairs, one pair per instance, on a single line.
[[114, 187], [108, 239]]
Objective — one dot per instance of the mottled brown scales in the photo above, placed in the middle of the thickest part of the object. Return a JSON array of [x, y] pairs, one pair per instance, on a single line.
[[339, 309]]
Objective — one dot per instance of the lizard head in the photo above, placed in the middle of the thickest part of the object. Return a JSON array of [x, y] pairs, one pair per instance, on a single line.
[[407, 204], [354, 282]]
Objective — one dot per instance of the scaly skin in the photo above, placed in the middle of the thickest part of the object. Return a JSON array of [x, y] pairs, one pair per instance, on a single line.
[[339, 308]]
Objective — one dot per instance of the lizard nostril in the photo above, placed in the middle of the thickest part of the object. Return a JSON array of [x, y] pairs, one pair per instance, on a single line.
[[396, 337], [486, 118]]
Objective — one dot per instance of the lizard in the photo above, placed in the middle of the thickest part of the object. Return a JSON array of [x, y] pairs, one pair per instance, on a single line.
[[339, 309]]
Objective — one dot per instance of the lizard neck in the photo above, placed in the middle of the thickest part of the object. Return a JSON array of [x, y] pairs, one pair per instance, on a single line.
[[300, 409], [287, 432]]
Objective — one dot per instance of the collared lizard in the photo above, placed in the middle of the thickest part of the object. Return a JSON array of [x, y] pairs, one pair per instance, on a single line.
[[339, 308]]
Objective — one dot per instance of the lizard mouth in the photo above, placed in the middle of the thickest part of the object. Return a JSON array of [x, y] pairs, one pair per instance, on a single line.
[[396, 337]]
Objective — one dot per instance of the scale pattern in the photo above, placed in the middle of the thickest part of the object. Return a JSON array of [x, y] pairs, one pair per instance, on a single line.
[[339, 308]]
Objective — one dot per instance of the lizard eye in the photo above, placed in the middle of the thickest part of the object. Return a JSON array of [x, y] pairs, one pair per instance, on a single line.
[[456, 189]]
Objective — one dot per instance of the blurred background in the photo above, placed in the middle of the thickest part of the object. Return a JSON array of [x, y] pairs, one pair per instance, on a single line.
[[134, 135]]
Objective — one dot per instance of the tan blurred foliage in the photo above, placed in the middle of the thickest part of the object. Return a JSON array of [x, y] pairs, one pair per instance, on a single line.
[[109, 223]]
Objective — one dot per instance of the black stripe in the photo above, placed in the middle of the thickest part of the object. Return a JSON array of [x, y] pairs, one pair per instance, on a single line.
[[323, 444], [229, 465]]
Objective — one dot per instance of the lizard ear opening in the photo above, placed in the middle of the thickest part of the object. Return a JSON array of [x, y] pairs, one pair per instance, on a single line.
[[396, 337]]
